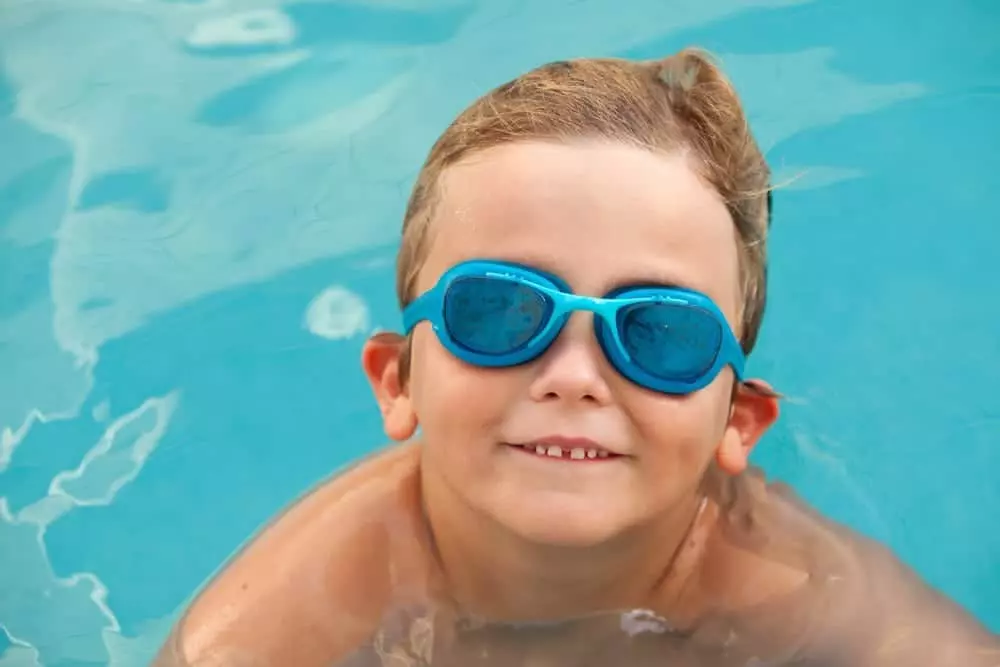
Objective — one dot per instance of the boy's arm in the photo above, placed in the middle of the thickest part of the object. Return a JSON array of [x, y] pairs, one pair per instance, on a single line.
[[170, 654], [897, 620], [842, 600], [265, 611], [312, 588]]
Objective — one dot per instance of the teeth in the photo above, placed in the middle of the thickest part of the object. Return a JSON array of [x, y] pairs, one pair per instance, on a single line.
[[576, 453]]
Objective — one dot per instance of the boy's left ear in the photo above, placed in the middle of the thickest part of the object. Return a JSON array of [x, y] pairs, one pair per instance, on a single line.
[[754, 410]]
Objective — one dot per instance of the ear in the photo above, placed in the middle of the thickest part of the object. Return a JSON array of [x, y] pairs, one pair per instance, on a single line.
[[754, 410], [382, 357]]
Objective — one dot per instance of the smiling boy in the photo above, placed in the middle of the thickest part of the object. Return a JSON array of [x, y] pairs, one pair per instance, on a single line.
[[582, 272]]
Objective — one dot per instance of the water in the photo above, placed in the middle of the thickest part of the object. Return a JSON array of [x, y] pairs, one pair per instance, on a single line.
[[199, 206]]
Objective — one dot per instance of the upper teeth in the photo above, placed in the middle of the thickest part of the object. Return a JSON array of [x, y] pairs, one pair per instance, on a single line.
[[578, 453]]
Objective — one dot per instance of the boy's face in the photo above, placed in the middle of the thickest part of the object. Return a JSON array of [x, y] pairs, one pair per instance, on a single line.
[[600, 216]]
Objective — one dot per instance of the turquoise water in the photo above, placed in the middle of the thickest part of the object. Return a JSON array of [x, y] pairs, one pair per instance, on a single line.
[[199, 205]]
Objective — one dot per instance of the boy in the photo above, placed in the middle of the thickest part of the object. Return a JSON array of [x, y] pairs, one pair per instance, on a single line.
[[583, 272]]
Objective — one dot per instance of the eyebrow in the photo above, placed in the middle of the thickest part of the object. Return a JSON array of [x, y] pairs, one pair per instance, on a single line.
[[633, 281], [658, 282]]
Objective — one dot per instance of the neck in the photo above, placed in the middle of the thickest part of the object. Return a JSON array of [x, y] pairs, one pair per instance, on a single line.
[[641, 568]]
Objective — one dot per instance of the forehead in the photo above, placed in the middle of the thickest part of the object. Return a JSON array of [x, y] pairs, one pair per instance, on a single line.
[[598, 214]]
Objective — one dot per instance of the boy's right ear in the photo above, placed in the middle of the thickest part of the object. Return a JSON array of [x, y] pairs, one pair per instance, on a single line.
[[382, 357]]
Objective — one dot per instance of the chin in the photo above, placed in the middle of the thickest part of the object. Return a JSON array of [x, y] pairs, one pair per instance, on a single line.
[[569, 525]]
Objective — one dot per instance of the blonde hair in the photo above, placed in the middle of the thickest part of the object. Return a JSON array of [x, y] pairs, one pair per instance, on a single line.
[[682, 102]]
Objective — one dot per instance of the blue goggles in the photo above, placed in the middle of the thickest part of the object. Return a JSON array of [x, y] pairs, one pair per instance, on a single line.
[[498, 314]]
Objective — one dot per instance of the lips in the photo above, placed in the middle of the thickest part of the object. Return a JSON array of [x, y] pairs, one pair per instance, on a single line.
[[572, 449]]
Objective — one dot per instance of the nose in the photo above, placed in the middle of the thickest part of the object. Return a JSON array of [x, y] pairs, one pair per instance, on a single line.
[[573, 368]]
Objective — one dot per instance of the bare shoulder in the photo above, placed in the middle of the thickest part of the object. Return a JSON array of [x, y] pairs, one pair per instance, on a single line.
[[313, 584], [810, 587]]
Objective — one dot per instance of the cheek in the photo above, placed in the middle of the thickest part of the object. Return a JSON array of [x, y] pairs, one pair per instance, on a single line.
[[450, 398], [681, 433]]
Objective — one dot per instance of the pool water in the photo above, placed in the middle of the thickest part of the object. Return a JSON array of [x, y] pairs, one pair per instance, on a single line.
[[199, 209]]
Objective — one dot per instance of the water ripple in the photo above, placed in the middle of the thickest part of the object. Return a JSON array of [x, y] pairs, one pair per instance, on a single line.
[[38, 606]]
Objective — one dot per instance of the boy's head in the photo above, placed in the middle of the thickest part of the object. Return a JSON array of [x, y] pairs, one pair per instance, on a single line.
[[607, 174], [682, 104]]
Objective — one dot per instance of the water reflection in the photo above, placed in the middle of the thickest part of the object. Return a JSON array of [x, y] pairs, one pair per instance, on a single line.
[[176, 177]]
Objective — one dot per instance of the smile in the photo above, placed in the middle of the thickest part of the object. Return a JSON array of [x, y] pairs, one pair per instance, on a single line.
[[565, 453]]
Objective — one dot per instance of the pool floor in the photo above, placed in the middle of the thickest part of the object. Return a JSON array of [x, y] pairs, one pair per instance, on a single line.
[[199, 209]]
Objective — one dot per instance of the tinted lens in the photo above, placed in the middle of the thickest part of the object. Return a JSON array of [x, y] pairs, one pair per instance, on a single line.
[[492, 315], [671, 341]]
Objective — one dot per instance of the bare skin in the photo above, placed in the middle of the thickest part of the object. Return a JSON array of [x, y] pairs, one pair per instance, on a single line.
[[465, 550], [349, 576]]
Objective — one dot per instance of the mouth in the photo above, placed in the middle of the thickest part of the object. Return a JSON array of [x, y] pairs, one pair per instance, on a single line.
[[583, 451]]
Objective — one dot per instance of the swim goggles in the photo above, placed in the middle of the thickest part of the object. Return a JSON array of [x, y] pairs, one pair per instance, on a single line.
[[499, 314]]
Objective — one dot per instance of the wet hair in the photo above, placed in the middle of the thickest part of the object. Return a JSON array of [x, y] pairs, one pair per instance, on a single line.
[[683, 103]]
